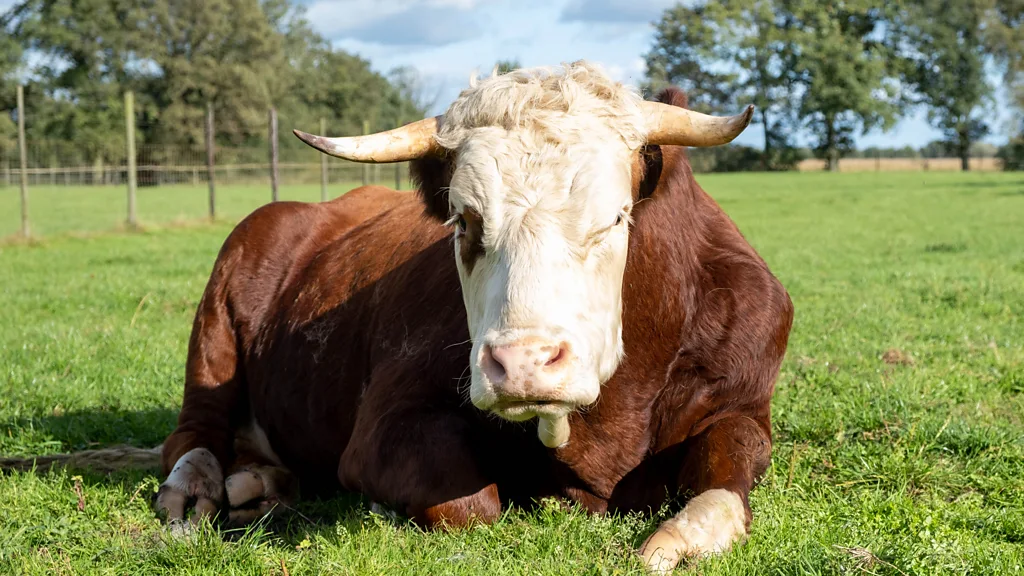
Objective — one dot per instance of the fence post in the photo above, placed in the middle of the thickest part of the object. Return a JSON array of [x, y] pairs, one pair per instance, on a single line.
[[398, 165], [129, 122], [366, 167], [209, 159], [323, 164], [273, 155], [24, 161]]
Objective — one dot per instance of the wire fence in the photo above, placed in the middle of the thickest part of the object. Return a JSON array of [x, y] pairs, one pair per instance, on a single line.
[[54, 186], [904, 165], [47, 165]]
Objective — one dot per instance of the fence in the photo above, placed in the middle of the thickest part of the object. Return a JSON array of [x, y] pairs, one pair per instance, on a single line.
[[903, 165], [69, 187], [72, 187]]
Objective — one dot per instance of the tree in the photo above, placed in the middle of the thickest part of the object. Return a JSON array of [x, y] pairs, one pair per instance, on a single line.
[[220, 51], [413, 93], [76, 91], [506, 66], [733, 52], [10, 60], [948, 46], [688, 52], [845, 71], [177, 55]]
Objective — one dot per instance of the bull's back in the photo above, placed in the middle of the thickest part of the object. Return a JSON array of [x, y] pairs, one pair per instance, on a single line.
[[272, 245]]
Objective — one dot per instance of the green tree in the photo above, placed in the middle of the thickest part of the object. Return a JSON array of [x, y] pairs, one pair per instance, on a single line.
[[506, 66], [690, 52], [243, 56], [845, 70], [220, 51], [728, 54], [76, 92], [948, 45], [10, 60], [798, 61]]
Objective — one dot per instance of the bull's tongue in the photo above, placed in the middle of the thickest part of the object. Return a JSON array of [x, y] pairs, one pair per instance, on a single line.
[[553, 431]]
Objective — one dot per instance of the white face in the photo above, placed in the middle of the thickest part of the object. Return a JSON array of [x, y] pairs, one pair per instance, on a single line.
[[541, 234]]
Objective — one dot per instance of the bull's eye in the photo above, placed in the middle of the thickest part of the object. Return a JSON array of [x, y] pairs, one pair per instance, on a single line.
[[619, 219], [461, 223]]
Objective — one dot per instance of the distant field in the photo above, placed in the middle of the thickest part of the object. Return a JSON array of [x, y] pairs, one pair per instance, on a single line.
[[904, 165], [64, 209], [898, 417]]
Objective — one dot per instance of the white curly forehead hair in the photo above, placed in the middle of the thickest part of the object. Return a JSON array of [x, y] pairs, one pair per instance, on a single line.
[[558, 103]]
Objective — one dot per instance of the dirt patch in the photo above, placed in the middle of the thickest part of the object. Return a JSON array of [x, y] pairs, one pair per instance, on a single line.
[[897, 357]]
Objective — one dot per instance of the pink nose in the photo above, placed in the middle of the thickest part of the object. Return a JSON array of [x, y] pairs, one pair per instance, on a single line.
[[528, 370]]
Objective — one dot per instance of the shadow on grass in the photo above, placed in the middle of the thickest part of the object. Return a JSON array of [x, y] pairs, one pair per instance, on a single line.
[[97, 428], [990, 184]]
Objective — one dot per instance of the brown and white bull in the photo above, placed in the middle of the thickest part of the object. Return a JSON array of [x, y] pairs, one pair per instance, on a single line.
[[561, 311]]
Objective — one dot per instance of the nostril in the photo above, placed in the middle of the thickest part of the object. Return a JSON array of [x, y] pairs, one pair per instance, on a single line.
[[556, 358], [560, 357], [492, 366]]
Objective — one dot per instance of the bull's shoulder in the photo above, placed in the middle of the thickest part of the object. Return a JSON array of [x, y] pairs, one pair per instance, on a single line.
[[743, 313], [270, 248]]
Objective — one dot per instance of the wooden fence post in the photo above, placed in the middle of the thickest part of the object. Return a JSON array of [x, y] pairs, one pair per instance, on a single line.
[[273, 155], [323, 164], [366, 167], [398, 165], [129, 121], [24, 161], [209, 159]]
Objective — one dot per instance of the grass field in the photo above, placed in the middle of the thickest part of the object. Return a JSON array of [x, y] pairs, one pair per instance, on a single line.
[[89, 209], [898, 416]]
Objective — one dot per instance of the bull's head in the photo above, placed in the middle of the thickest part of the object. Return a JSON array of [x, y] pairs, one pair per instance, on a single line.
[[539, 198]]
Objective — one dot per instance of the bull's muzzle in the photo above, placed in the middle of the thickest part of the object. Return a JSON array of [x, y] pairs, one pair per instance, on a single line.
[[530, 378]]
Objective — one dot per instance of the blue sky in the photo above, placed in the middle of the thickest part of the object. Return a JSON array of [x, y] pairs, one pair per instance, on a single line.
[[447, 40]]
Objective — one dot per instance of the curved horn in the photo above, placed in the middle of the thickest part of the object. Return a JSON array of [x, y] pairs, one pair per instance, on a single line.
[[408, 142], [671, 125]]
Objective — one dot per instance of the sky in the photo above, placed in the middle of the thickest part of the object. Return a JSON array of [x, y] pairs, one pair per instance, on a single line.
[[449, 40]]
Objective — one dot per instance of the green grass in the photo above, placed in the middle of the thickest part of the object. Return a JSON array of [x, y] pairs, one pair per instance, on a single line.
[[898, 416], [88, 209]]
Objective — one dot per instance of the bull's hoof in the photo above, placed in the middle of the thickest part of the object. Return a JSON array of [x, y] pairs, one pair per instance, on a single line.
[[709, 524], [196, 490]]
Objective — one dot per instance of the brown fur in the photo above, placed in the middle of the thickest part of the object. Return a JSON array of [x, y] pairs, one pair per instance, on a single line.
[[341, 328]]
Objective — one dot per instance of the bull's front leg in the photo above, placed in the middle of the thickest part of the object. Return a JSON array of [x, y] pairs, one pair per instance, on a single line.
[[719, 470], [418, 460], [423, 469]]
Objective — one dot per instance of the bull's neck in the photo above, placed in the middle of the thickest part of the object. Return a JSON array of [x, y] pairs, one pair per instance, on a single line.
[[668, 234]]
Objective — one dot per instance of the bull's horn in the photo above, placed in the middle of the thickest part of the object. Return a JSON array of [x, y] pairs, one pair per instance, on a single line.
[[672, 125], [408, 142]]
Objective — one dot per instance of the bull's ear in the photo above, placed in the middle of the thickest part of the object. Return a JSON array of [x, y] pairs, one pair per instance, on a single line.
[[649, 162], [647, 168], [432, 175]]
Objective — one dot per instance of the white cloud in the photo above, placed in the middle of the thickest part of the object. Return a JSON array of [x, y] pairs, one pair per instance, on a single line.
[[615, 11], [397, 22]]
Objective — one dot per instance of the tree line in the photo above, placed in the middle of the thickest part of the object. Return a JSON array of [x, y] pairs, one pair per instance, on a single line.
[[242, 57], [839, 69], [832, 70]]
